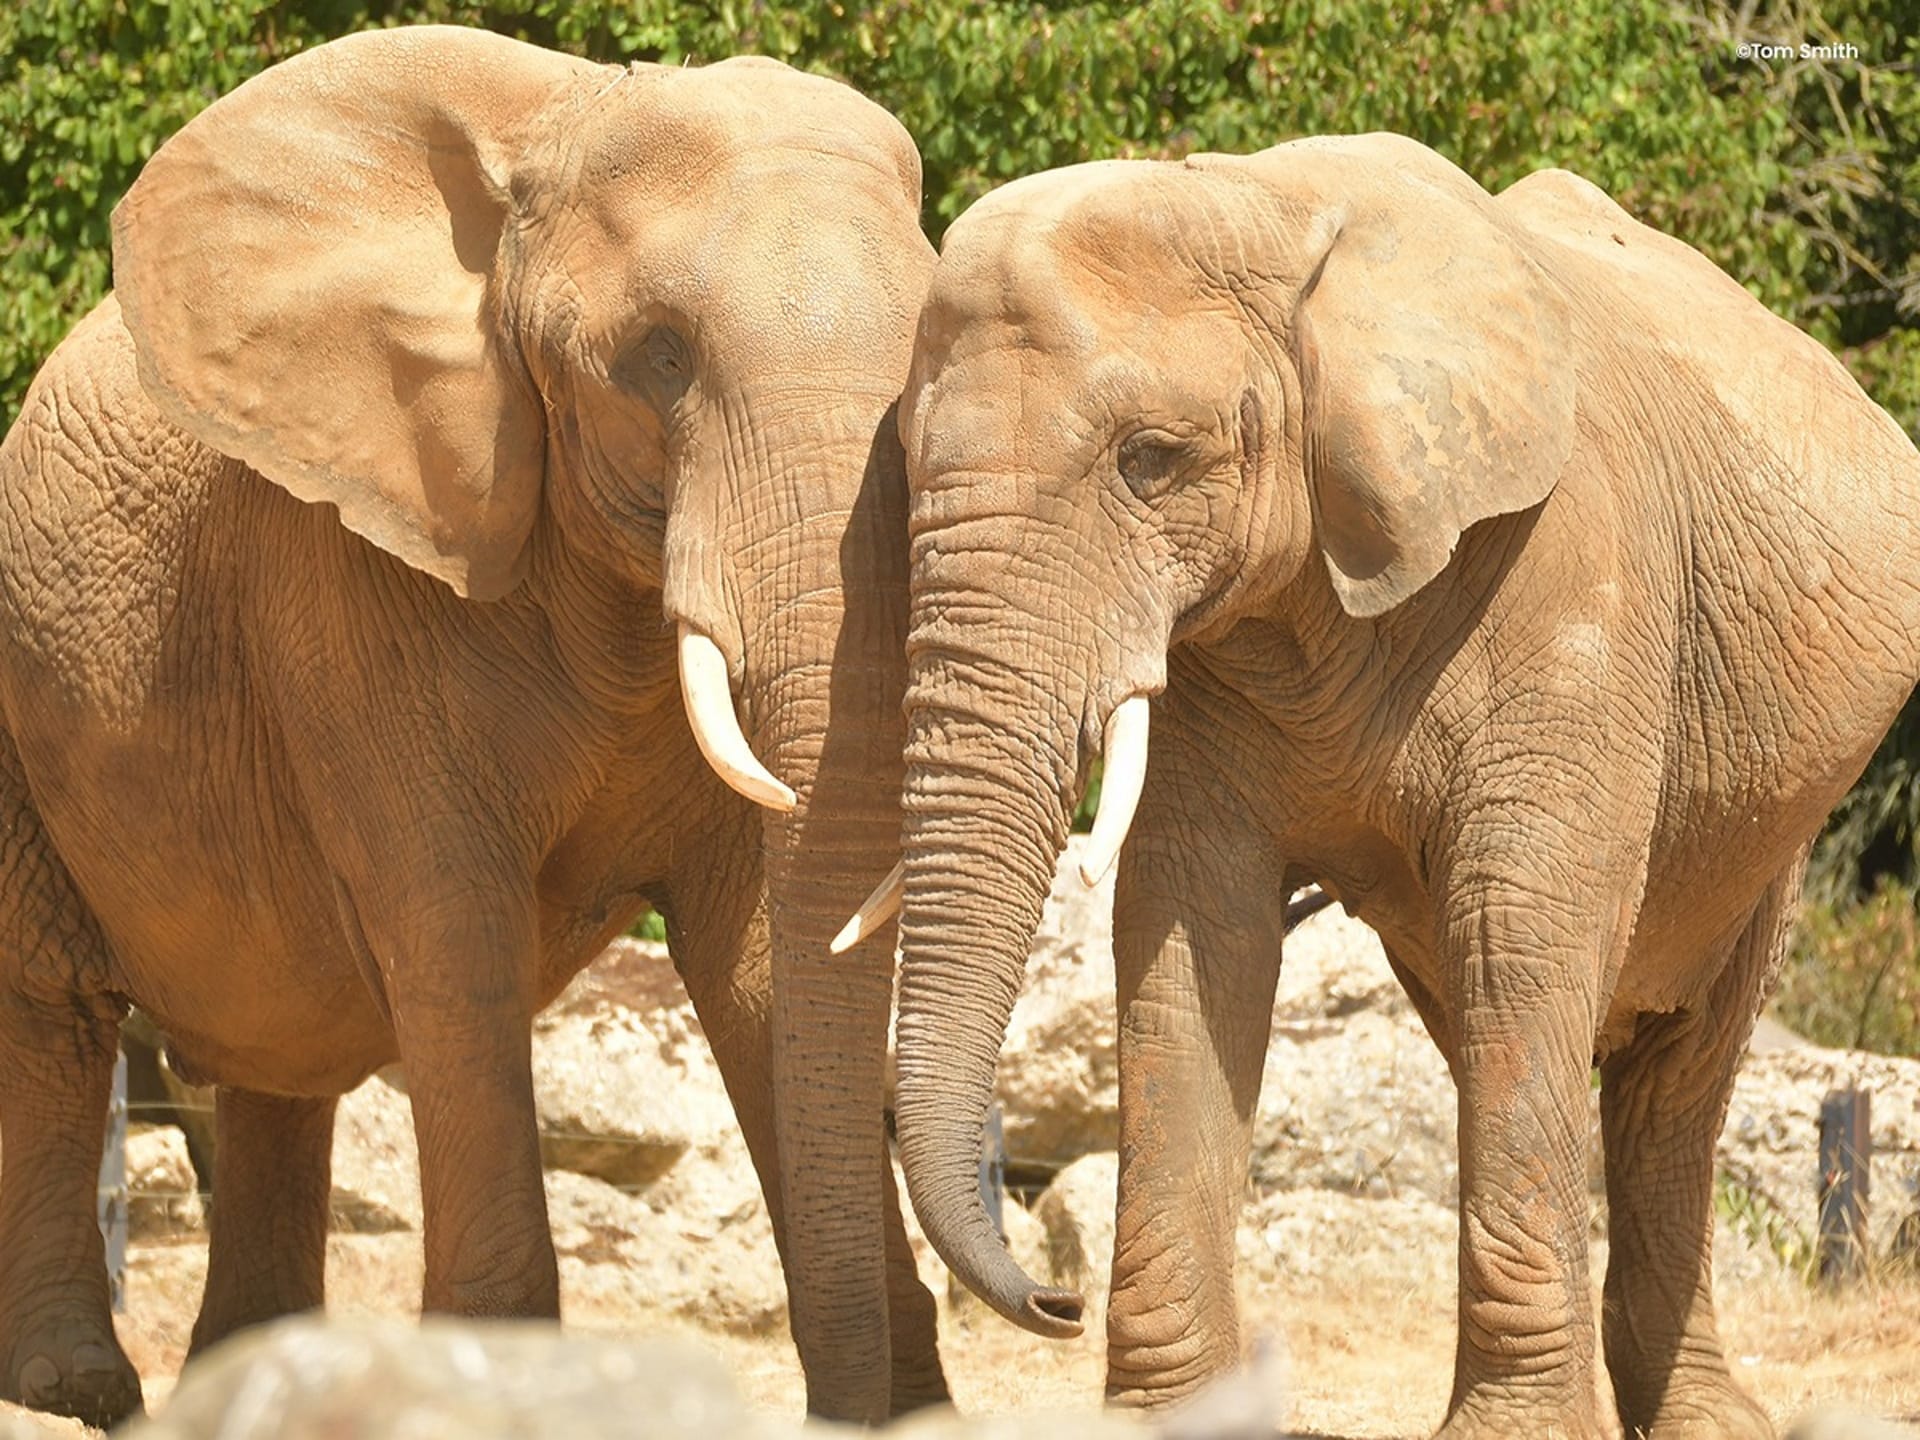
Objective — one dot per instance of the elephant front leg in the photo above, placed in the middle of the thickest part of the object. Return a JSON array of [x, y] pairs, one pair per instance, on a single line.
[[1525, 965], [1663, 1098], [58, 1351], [58, 1034], [460, 986], [1198, 916], [267, 1231]]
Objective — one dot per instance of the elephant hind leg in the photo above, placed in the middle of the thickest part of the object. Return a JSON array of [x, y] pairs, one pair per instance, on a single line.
[[267, 1242], [1663, 1099], [59, 1029]]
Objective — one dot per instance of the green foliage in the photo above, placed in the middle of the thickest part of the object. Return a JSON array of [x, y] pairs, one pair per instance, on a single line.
[[650, 926], [1802, 178], [1746, 1209], [1852, 978]]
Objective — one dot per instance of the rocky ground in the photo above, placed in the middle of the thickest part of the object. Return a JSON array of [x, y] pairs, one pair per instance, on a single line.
[[1346, 1246]]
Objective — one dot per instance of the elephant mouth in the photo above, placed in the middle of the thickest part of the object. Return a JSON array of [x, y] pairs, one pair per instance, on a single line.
[[716, 728]]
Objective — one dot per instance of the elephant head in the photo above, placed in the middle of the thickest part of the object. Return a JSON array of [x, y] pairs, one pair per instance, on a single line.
[[535, 324], [1148, 401]]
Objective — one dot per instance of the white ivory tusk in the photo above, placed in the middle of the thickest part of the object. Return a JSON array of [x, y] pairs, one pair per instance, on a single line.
[[709, 700], [1120, 785], [879, 908]]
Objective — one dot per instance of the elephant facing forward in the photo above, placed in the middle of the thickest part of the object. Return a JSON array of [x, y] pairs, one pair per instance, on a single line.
[[585, 376], [1497, 561]]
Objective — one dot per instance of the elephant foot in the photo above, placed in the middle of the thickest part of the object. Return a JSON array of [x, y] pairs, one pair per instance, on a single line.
[[74, 1368], [1706, 1408], [1485, 1417], [917, 1390]]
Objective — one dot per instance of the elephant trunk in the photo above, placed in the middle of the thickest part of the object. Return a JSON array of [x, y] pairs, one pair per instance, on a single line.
[[824, 670], [991, 764]]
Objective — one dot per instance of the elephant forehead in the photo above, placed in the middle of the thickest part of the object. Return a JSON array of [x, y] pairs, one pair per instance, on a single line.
[[1013, 405], [684, 130], [769, 251]]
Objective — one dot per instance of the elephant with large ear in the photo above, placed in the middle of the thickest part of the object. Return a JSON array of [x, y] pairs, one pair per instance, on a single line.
[[1499, 562], [474, 427]]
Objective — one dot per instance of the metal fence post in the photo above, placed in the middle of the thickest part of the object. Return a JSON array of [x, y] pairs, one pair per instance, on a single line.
[[113, 1188], [1846, 1157]]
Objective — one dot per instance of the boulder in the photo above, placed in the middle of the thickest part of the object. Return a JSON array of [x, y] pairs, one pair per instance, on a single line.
[[163, 1194], [1355, 1096], [622, 1075], [1058, 1075], [1291, 1239], [376, 1162], [19, 1423], [1771, 1141], [707, 1258], [1333, 965], [306, 1379], [1361, 1104], [1076, 1214]]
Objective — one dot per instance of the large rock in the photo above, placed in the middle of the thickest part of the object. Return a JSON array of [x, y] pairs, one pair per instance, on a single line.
[[1355, 1096], [1361, 1104], [18, 1423], [622, 1075], [376, 1161], [653, 1200], [306, 1379], [1076, 1212], [703, 1257], [163, 1195], [1288, 1238], [1771, 1141], [1058, 1075], [653, 1197]]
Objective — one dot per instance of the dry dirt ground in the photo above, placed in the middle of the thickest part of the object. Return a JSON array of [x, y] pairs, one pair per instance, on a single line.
[[1359, 1294]]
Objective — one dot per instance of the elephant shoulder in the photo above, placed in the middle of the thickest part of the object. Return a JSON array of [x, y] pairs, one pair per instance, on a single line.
[[89, 434], [1657, 305], [1590, 233], [103, 505]]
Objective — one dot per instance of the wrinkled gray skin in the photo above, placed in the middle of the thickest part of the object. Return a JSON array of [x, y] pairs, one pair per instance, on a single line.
[[1499, 562], [564, 355]]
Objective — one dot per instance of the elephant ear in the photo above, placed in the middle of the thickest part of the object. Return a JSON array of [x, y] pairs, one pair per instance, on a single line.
[[1434, 363], [311, 273]]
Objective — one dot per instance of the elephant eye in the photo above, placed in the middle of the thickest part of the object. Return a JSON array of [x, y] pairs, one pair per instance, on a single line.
[[1150, 461], [658, 366]]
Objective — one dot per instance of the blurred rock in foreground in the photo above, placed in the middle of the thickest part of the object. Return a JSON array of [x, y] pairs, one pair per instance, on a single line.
[[307, 1379], [19, 1424]]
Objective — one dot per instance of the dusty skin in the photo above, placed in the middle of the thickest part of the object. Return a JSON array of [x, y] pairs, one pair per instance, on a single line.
[[321, 785]]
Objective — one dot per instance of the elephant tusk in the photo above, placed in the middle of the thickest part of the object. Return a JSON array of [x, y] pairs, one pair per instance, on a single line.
[[1120, 787], [878, 909], [709, 700]]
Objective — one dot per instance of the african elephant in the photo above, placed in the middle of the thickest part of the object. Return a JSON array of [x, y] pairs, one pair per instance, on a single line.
[[1499, 562], [464, 410]]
